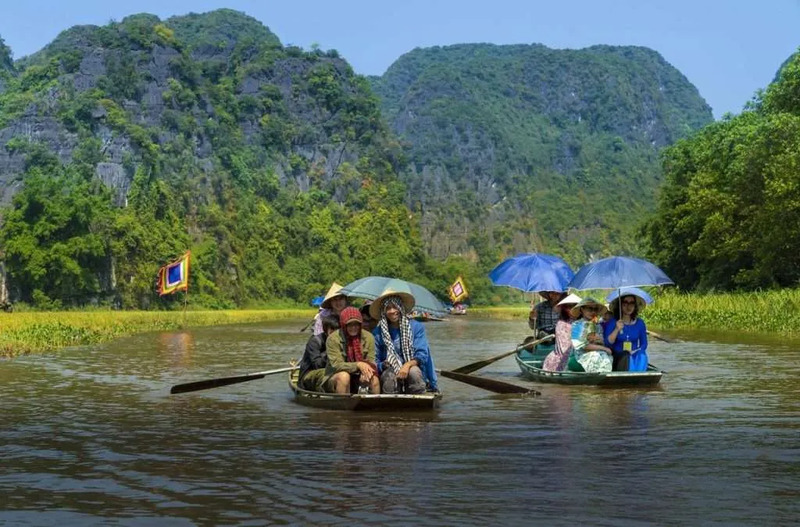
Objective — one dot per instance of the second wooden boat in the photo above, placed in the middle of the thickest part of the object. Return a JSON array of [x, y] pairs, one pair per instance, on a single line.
[[531, 366]]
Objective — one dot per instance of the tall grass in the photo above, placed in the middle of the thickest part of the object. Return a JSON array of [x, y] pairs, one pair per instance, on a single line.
[[759, 312], [31, 332]]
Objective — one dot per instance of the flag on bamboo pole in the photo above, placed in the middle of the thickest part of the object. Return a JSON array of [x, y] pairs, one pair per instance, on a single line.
[[174, 276], [457, 291]]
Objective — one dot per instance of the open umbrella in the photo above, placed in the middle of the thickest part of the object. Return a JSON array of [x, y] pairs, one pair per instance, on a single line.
[[533, 272], [372, 287], [617, 272], [317, 301]]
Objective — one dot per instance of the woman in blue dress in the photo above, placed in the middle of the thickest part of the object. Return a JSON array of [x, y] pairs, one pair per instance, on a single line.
[[626, 334]]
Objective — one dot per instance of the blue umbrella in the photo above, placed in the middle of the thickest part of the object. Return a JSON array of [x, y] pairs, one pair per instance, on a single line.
[[317, 301], [372, 287], [630, 291], [618, 272], [533, 272]]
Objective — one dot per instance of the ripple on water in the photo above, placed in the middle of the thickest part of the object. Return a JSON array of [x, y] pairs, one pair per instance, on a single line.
[[91, 436]]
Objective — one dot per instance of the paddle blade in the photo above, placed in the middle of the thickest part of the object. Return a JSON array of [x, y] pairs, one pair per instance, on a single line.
[[212, 383], [487, 384], [225, 381], [662, 337]]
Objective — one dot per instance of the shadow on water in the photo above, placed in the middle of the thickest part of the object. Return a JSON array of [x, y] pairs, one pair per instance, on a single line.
[[91, 436]]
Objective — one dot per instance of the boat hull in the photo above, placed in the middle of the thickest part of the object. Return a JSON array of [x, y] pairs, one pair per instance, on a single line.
[[364, 402], [531, 367]]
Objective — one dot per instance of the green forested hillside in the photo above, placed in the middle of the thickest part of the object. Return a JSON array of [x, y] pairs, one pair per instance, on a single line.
[[127, 144], [6, 63], [728, 215], [523, 147], [122, 146]]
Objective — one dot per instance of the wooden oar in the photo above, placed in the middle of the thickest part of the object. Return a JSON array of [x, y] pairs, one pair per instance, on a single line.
[[661, 337], [225, 381], [475, 366], [306, 326], [487, 384]]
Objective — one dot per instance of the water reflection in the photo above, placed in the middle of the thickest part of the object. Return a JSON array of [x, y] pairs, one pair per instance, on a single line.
[[90, 436], [177, 346]]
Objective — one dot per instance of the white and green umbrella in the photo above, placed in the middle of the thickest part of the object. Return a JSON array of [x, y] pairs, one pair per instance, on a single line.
[[372, 287]]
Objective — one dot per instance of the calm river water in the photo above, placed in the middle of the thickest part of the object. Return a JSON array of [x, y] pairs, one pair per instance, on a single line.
[[90, 436]]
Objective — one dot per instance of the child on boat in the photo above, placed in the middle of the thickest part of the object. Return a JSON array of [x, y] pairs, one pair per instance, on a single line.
[[588, 352]]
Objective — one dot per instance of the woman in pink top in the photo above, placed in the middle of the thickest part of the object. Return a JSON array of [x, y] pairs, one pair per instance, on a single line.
[[557, 359]]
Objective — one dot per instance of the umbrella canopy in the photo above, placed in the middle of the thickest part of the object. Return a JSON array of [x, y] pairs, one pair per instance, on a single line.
[[317, 301], [533, 272], [372, 287], [623, 291], [617, 272]]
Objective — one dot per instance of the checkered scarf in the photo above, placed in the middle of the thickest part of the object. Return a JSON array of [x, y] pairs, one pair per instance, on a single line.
[[396, 358]]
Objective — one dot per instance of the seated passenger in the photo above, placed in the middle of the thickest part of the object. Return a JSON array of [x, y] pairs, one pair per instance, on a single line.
[[315, 359], [627, 334], [544, 315], [557, 359], [588, 352], [401, 346], [369, 322], [351, 357]]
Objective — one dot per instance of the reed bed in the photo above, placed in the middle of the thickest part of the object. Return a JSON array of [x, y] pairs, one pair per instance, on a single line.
[[33, 332], [757, 312]]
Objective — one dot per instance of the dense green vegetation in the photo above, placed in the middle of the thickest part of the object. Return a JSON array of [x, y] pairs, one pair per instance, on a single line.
[[751, 312], [127, 144], [6, 62], [528, 148], [270, 163], [728, 215], [41, 332]]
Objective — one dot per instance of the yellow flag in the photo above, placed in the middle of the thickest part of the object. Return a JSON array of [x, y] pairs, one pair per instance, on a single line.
[[458, 291]]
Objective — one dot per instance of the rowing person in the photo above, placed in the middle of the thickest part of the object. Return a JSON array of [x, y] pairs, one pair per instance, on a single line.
[[315, 358]]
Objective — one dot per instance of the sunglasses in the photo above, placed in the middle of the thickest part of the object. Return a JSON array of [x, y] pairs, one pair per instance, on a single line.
[[628, 302]]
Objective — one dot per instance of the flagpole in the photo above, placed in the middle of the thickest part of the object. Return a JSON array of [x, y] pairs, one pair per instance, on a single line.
[[185, 305]]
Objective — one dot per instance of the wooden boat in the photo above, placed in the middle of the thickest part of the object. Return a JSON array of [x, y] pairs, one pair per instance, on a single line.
[[425, 317], [531, 366], [371, 402]]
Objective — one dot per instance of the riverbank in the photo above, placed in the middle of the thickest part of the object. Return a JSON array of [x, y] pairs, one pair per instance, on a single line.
[[761, 312], [38, 332]]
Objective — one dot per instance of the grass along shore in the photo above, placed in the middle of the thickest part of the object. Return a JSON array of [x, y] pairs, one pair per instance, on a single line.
[[759, 312], [36, 332]]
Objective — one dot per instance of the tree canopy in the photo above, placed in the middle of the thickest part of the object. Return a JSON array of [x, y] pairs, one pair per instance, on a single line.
[[728, 215]]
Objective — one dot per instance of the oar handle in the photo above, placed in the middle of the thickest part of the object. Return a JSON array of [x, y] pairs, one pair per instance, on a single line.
[[475, 366], [534, 343]]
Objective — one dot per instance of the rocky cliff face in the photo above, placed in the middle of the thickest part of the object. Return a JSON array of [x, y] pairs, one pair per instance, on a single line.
[[144, 84], [502, 139]]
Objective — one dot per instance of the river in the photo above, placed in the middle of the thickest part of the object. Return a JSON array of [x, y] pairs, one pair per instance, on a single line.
[[90, 436]]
